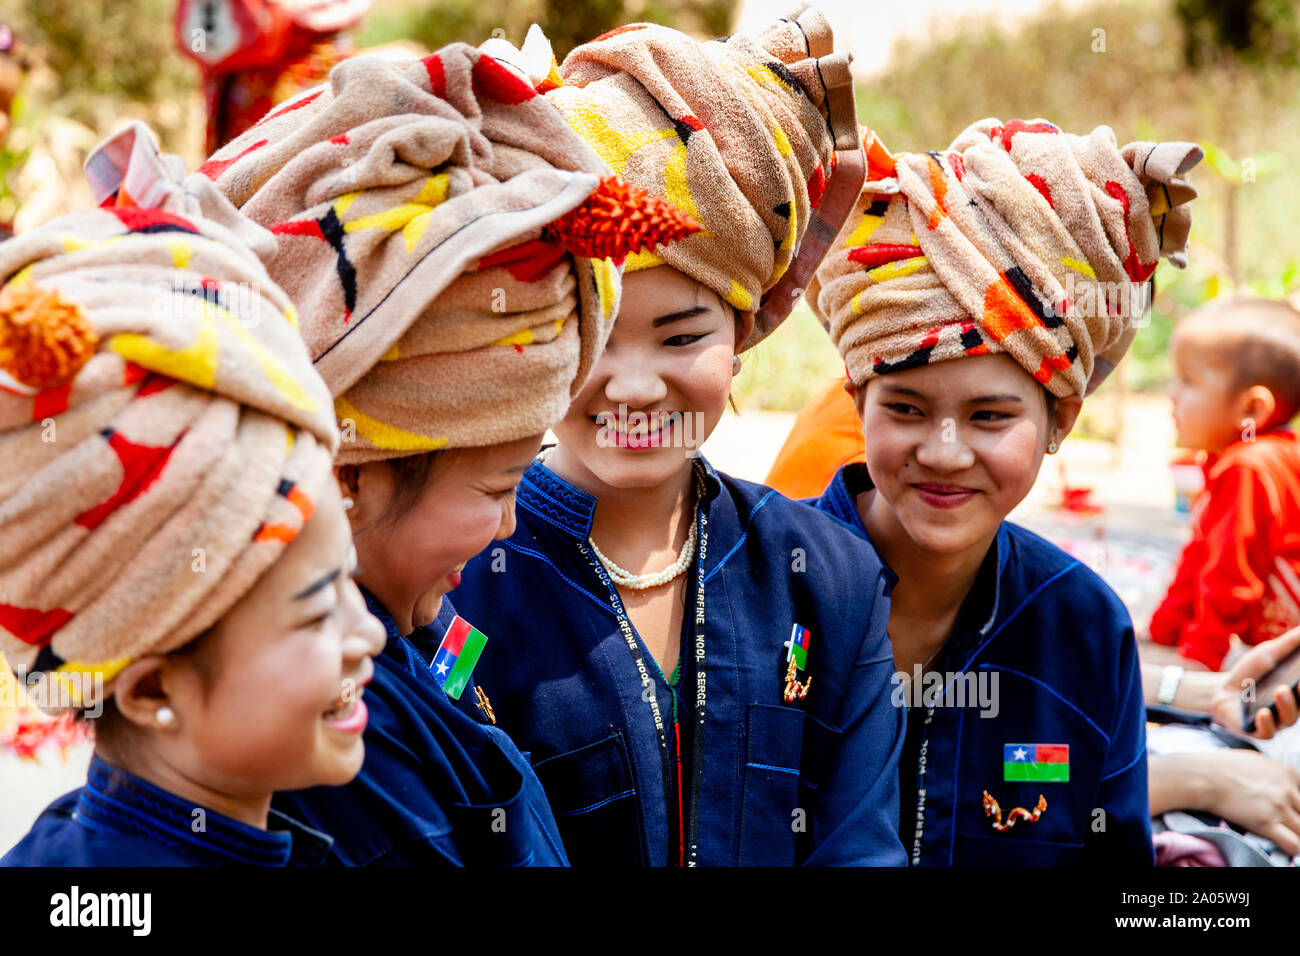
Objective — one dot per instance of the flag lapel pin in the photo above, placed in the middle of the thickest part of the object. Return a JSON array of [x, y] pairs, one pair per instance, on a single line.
[[797, 660], [457, 655], [1036, 763]]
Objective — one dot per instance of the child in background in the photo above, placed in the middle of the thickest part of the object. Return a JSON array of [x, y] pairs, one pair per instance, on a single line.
[[254, 55], [1237, 385]]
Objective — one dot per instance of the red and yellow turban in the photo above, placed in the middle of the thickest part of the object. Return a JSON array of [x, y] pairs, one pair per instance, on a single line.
[[162, 432], [740, 133], [1018, 238], [453, 247]]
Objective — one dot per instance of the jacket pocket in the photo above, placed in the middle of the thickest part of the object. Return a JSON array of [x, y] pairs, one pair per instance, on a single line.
[[1000, 849], [595, 803], [770, 816]]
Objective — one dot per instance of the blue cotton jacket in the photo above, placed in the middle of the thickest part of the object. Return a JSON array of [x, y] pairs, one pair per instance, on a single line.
[[117, 819], [439, 786], [1061, 646], [809, 782]]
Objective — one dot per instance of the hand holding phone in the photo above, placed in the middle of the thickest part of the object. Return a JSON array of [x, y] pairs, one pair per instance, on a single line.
[[1256, 674], [1281, 657]]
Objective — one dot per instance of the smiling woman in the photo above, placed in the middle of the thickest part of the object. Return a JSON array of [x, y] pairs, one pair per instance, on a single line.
[[417, 524], [965, 372], [242, 695], [984, 421], [695, 683], [180, 539], [449, 349]]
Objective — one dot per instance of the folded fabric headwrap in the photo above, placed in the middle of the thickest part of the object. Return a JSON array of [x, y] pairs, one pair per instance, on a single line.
[[417, 209], [740, 133], [162, 432], [1018, 238]]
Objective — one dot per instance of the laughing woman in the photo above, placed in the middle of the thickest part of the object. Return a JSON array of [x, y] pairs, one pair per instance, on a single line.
[[694, 681], [427, 216], [174, 557], [977, 296]]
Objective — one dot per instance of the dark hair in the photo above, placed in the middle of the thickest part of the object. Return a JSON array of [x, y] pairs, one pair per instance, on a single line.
[[735, 319], [1257, 342], [411, 475]]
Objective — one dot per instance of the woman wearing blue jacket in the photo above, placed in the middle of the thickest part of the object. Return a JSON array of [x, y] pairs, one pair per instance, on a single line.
[[425, 214], [177, 568], [695, 681], [976, 296]]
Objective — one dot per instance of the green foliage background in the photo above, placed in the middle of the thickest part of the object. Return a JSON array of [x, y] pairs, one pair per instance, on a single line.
[[566, 23]]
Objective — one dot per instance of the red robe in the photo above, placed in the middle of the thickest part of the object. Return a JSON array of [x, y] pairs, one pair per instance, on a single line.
[[1240, 573], [235, 101]]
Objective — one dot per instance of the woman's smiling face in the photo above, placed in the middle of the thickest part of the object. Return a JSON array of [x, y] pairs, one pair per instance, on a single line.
[[411, 556], [660, 387], [953, 447], [271, 697]]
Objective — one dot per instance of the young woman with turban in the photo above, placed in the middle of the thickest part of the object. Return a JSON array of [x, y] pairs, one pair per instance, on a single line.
[[453, 248], [977, 295], [174, 558], [697, 677]]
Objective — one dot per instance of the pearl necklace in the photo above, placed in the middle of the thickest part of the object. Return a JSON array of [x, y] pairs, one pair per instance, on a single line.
[[644, 582]]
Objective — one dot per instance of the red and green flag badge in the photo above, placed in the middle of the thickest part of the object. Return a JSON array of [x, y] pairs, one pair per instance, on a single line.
[[799, 638], [457, 655], [796, 661], [1036, 763]]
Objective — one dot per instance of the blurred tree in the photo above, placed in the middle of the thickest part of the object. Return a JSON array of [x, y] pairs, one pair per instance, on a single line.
[[1237, 174], [1251, 30], [123, 48], [566, 23], [91, 59], [434, 25]]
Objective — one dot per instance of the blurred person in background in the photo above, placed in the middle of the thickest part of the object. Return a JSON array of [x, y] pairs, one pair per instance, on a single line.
[[1237, 387], [255, 54]]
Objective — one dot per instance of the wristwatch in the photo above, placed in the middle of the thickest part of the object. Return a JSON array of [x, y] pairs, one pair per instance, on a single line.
[[1169, 680]]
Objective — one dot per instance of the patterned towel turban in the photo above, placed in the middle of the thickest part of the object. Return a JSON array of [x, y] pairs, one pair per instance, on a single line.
[[1018, 238], [162, 432], [740, 133], [450, 243]]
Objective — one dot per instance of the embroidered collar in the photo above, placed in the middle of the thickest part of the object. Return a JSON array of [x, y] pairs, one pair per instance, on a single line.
[[569, 508], [120, 802], [840, 499]]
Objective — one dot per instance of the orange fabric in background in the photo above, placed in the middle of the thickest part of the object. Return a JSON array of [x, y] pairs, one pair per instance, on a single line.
[[827, 434]]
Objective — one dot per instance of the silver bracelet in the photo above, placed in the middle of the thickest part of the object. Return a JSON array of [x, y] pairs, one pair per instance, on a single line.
[[1170, 678]]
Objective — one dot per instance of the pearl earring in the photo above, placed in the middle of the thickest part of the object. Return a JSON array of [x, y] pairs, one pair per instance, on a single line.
[[735, 365], [347, 504], [165, 716]]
